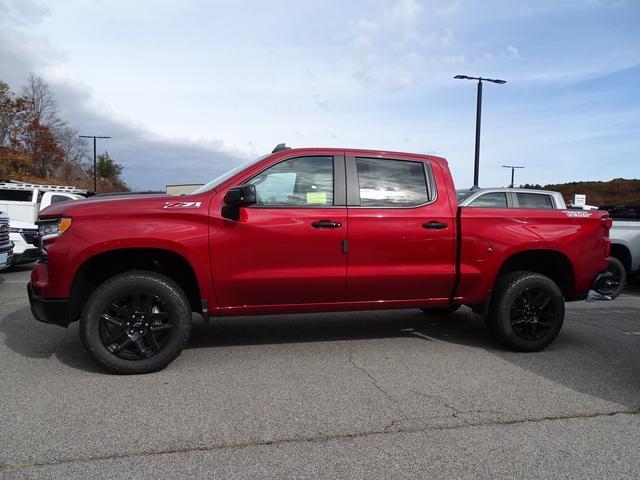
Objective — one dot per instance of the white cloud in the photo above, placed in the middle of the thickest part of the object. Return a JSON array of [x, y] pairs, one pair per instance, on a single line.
[[453, 8], [392, 46], [188, 87], [455, 59], [511, 52]]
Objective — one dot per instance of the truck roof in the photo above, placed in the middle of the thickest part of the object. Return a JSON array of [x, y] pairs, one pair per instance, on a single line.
[[16, 185], [359, 152]]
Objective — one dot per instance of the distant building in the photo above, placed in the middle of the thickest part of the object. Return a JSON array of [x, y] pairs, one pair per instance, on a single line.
[[182, 188]]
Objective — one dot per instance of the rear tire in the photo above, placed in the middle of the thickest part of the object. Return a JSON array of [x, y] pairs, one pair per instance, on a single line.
[[619, 279], [135, 322], [526, 312], [441, 312]]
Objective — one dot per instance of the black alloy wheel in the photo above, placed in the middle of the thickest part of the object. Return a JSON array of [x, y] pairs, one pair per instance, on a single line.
[[532, 314], [526, 312], [136, 326], [136, 322]]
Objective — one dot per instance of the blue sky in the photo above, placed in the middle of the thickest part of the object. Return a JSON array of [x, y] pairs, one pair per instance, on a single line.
[[188, 89]]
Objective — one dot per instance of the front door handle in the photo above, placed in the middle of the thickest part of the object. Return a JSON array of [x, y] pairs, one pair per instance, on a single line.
[[326, 224], [435, 225]]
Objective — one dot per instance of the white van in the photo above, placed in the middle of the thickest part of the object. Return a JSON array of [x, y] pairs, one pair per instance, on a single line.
[[23, 202]]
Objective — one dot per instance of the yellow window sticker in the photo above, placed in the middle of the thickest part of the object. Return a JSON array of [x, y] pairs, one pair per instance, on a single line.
[[318, 198]]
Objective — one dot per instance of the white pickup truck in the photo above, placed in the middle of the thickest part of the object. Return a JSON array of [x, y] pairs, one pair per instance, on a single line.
[[22, 202], [625, 236]]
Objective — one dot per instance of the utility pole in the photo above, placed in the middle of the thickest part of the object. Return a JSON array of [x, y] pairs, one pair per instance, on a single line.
[[95, 183], [476, 161], [513, 168]]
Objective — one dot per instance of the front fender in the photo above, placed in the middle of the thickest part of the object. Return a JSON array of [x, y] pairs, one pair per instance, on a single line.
[[185, 235]]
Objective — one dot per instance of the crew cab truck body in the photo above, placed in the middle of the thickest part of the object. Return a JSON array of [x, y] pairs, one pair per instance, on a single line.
[[308, 230]]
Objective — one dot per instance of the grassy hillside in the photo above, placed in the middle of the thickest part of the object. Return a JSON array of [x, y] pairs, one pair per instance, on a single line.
[[619, 191]]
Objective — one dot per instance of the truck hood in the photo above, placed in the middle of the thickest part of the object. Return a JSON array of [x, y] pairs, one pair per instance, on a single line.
[[125, 204]]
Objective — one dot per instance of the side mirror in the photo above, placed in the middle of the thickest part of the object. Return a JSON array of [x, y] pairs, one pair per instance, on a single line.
[[237, 197]]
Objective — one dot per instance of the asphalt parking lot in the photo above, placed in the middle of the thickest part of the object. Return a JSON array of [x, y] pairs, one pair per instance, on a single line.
[[351, 395]]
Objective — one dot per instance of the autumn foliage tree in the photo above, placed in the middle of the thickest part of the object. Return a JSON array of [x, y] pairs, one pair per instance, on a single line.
[[36, 144]]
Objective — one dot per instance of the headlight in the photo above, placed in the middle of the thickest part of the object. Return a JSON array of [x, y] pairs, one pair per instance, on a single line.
[[51, 228], [48, 228]]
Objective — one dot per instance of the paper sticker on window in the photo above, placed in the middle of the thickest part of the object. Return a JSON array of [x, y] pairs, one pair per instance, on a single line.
[[316, 198]]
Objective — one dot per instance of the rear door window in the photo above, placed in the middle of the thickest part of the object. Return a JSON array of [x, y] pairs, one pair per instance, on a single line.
[[490, 200], [534, 200], [392, 183]]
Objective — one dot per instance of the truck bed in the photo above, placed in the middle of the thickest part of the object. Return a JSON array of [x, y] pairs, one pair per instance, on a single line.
[[488, 236]]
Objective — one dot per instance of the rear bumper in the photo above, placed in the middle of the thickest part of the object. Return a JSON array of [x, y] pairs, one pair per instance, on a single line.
[[55, 311]]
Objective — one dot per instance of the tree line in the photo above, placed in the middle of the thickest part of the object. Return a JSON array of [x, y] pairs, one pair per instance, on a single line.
[[37, 145]]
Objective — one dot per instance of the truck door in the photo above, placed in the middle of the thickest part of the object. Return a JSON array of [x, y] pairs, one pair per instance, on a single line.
[[288, 248], [401, 231]]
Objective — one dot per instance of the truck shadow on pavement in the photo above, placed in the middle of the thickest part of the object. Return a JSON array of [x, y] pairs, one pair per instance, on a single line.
[[31, 339], [596, 353]]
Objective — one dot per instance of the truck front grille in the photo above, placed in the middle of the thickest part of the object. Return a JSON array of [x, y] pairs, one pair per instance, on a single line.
[[31, 237]]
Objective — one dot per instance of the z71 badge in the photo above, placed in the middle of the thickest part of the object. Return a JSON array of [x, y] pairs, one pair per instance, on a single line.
[[572, 213], [182, 204]]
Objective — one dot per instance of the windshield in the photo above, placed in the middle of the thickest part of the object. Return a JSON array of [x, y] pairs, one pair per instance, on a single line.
[[225, 176], [463, 194]]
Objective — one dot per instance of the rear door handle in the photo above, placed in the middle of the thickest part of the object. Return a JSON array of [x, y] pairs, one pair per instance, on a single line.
[[326, 224], [435, 225]]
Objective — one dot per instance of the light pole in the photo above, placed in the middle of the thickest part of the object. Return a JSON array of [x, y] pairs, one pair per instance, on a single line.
[[476, 164], [512, 167], [95, 184]]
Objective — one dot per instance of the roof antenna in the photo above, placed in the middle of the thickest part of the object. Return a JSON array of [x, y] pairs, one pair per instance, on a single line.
[[280, 147]]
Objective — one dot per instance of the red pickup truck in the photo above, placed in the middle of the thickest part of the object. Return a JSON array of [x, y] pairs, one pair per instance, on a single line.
[[308, 230]]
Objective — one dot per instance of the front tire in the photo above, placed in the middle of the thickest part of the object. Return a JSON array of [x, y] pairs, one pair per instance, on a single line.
[[527, 311], [135, 322]]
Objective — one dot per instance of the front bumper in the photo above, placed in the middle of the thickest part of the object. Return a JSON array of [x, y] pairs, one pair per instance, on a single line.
[[31, 255], [9, 252], [55, 311]]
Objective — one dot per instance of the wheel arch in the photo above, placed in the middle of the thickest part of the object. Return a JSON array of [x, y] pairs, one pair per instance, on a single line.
[[104, 265], [622, 253], [551, 263]]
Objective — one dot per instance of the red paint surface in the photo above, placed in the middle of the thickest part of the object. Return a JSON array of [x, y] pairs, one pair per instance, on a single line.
[[273, 261]]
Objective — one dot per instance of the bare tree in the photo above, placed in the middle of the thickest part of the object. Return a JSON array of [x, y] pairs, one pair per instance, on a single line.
[[41, 103], [42, 115], [75, 148]]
